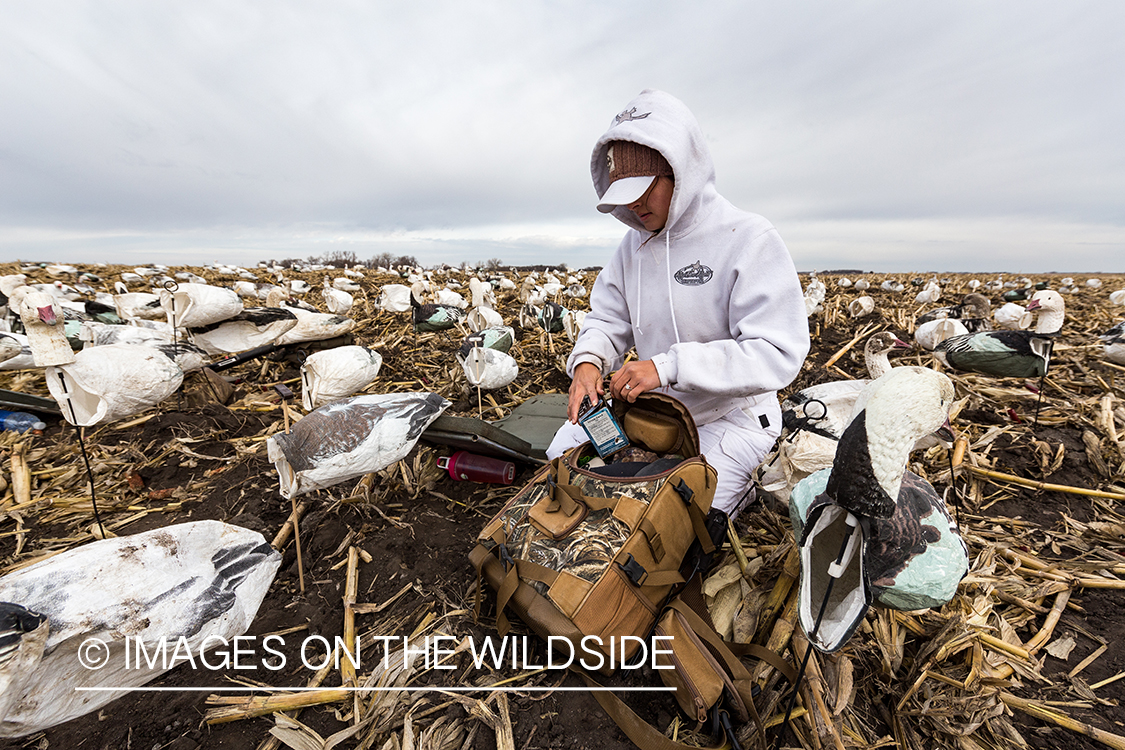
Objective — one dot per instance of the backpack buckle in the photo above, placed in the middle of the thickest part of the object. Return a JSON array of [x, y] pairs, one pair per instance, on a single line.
[[686, 493], [633, 570]]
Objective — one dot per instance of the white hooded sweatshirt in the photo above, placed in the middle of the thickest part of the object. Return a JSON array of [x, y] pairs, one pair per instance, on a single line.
[[713, 299]]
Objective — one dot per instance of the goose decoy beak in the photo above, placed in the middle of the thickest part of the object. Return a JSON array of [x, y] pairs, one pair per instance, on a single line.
[[47, 315], [900, 344], [946, 432], [1033, 305]]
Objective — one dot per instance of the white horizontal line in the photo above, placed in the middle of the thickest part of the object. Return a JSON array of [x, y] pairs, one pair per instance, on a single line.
[[377, 689]]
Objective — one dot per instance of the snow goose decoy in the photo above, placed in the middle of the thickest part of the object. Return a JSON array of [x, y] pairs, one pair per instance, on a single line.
[[933, 332], [1114, 343], [197, 581], [349, 438], [314, 326], [105, 383], [196, 305], [251, 328], [334, 374], [1118, 297], [868, 529], [43, 323], [337, 300], [1013, 317], [488, 369], [861, 285], [974, 312], [861, 306], [813, 419], [1009, 354]]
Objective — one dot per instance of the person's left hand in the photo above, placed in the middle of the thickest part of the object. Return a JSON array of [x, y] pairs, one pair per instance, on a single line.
[[633, 379]]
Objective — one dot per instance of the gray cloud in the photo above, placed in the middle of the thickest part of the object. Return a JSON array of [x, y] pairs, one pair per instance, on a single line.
[[893, 136]]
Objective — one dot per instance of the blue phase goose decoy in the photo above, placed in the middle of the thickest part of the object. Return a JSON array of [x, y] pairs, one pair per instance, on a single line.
[[868, 529], [1114, 341], [350, 438], [1009, 354], [197, 581], [434, 317]]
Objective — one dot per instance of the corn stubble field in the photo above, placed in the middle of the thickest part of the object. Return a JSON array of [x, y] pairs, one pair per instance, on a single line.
[[1027, 654]]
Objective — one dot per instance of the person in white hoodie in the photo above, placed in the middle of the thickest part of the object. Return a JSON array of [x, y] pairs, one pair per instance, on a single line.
[[707, 294]]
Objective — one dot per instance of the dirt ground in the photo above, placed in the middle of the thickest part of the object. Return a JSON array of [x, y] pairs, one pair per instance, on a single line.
[[415, 526]]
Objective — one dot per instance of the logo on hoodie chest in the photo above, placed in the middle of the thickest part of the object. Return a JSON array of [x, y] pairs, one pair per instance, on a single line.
[[696, 274]]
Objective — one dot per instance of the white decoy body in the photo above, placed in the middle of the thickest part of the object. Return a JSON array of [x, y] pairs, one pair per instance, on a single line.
[[105, 383], [900, 546], [314, 326], [337, 300], [1009, 354], [349, 438], [488, 369], [334, 374], [22, 358], [1013, 317], [195, 581], [196, 305], [253, 327], [933, 332]]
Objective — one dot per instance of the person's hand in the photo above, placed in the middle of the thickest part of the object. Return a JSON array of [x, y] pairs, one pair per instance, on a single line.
[[633, 379], [587, 381]]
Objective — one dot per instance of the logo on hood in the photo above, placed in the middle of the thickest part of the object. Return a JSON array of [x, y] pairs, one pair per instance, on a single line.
[[629, 115], [696, 274]]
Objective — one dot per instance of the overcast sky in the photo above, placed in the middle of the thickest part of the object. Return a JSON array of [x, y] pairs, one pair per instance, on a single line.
[[884, 136]]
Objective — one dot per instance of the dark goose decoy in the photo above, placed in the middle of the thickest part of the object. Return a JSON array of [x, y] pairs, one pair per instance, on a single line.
[[1008, 354], [869, 530], [349, 438], [434, 317]]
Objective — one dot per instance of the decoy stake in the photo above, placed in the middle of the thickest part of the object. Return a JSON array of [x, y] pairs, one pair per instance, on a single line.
[[286, 394]]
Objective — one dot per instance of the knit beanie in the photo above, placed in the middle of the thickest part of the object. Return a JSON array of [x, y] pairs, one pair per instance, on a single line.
[[632, 170]]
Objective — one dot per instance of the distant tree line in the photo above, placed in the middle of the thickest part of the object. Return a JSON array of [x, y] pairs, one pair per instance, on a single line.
[[348, 259]]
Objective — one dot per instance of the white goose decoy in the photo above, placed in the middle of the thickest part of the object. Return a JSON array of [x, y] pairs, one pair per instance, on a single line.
[[334, 374], [861, 306], [314, 326], [106, 383], [843, 282], [196, 581], [488, 369], [974, 312], [933, 332], [394, 298], [868, 529], [861, 285], [813, 419], [349, 438], [10, 348], [43, 323], [892, 286], [337, 300], [1093, 283], [196, 305], [1114, 343], [1118, 297], [344, 284], [251, 328], [1013, 317], [139, 305], [1009, 354]]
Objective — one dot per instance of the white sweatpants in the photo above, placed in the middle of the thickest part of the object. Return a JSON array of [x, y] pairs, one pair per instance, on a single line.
[[734, 444]]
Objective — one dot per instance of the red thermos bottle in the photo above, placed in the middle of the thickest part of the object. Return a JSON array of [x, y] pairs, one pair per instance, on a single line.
[[473, 468]]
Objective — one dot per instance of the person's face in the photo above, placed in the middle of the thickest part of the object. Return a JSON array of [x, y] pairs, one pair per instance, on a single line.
[[652, 207]]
